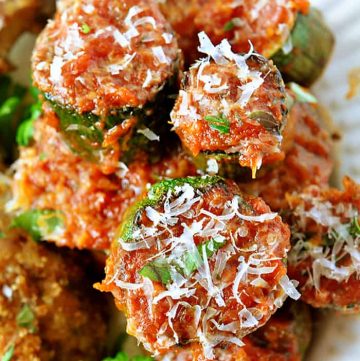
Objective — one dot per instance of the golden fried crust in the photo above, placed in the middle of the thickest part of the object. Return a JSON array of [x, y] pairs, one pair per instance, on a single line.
[[67, 323]]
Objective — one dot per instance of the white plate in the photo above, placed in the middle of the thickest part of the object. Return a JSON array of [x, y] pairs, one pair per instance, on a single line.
[[338, 336]]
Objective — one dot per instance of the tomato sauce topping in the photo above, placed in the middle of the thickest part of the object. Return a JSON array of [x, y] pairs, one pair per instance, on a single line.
[[101, 55], [198, 264]]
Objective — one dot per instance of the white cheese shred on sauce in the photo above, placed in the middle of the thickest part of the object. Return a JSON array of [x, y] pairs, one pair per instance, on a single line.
[[337, 220], [149, 134]]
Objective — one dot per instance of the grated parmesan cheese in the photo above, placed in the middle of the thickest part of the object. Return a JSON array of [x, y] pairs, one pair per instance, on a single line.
[[149, 134]]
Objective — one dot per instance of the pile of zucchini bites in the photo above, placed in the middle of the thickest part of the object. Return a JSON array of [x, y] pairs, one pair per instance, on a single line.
[[172, 159]]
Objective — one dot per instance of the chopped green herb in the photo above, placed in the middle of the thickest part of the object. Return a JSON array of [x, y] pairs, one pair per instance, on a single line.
[[26, 318], [39, 223], [85, 28], [229, 26], [330, 237], [25, 131], [9, 106], [8, 354], [42, 156], [11, 111], [354, 227], [219, 123], [159, 270], [302, 94], [122, 356]]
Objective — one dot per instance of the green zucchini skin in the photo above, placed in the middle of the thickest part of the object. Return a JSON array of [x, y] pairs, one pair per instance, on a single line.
[[302, 326], [313, 43], [154, 197], [228, 166], [85, 133]]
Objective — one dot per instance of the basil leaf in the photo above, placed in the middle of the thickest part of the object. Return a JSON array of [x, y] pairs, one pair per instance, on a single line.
[[219, 123], [302, 94], [8, 354], [159, 270], [122, 356], [25, 131], [229, 26], [26, 318], [354, 229], [9, 107], [85, 28], [39, 223]]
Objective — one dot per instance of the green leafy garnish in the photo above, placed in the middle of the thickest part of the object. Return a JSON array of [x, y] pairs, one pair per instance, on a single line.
[[25, 131], [159, 270], [85, 28], [12, 103], [39, 223], [26, 318], [9, 106], [302, 94], [229, 26], [122, 356], [354, 227], [219, 123], [8, 354], [42, 156]]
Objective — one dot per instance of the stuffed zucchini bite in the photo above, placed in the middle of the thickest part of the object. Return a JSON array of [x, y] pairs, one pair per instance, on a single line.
[[232, 106], [326, 243], [294, 35], [103, 66], [197, 262]]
